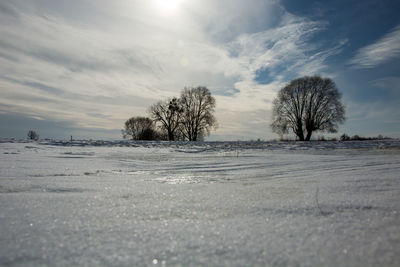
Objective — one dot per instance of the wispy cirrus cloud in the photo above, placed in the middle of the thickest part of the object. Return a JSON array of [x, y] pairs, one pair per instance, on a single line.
[[383, 50]]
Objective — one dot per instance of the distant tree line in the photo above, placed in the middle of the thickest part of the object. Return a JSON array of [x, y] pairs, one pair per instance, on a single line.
[[345, 137], [189, 117]]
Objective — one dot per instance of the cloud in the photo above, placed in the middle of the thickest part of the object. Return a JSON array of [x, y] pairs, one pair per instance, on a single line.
[[67, 63], [390, 86], [392, 83], [19, 124], [280, 54], [383, 50]]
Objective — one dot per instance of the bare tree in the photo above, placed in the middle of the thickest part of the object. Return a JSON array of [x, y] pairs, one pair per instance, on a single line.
[[139, 128], [32, 135], [198, 107], [307, 105], [167, 113]]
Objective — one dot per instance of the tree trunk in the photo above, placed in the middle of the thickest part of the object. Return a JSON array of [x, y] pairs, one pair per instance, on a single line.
[[299, 130], [308, 137], [170, 136], [300, 135]]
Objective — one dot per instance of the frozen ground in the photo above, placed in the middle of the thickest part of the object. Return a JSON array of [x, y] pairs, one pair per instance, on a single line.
[[211, 204]]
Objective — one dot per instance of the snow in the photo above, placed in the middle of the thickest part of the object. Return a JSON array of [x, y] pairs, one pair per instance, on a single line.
[[121, 203]]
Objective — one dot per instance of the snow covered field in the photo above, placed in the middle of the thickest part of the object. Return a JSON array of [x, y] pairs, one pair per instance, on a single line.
[[212, 204]]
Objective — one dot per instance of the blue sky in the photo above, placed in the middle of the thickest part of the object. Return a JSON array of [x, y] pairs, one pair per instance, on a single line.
[[84, 67]]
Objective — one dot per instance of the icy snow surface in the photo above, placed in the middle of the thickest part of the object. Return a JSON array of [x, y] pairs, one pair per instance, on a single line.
[[214, 204]]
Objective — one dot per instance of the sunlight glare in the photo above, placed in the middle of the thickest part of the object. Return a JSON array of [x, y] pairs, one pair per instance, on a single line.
[[168, 4]]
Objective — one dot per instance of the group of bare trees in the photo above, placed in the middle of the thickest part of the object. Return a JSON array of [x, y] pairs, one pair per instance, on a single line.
[[189, 117], [305, 105]]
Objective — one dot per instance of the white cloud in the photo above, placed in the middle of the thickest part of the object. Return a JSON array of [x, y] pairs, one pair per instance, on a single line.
[[383, 50], [133, 51]]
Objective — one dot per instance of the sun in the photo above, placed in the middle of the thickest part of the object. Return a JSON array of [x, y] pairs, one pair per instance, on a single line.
[[168, 4]]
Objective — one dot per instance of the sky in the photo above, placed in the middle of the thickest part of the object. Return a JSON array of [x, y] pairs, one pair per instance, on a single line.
[[83, 67]]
